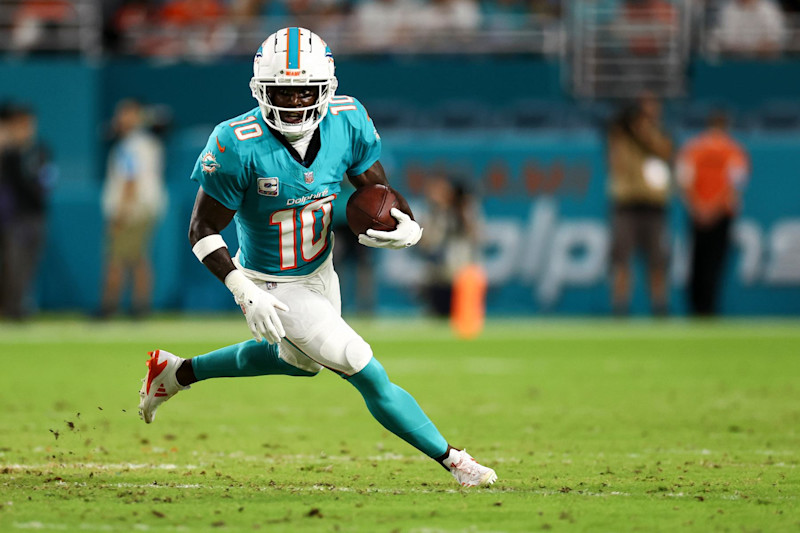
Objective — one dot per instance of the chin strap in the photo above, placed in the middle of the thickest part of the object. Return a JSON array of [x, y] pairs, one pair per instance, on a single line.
[[300, 137]]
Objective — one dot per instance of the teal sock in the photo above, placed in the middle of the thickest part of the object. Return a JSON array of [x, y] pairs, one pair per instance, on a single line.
[[249, 358], [397, 410]]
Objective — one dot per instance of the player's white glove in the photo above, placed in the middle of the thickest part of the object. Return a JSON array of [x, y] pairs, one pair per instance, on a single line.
[[407, 233], [259, 307]]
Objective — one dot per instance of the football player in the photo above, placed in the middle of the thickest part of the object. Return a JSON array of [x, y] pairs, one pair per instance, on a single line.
[[275, 170]]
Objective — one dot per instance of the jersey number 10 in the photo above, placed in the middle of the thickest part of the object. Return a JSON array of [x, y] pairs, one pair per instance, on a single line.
[[247, 128], [310, 248]]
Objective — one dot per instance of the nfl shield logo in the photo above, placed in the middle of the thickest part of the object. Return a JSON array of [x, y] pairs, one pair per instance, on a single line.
[[309, 176]]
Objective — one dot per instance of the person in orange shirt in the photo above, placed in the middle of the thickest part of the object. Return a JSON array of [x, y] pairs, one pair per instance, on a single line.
[[181, 13], [191, 28], [712, 167]]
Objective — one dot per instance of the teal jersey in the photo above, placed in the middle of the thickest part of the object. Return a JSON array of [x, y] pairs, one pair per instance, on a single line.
[[283, 208]]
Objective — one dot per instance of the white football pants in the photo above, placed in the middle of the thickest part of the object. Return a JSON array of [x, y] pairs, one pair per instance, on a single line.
[[316, 334]]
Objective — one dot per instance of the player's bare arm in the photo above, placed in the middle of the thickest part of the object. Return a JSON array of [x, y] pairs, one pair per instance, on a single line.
[[209, 217], [377, 175], [649, 134]]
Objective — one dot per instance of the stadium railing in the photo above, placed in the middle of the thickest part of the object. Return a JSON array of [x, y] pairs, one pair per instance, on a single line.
[[539, 35]]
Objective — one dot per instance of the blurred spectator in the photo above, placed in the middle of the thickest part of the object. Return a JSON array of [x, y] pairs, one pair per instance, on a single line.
[[711, 169], [639, 153], [194, 28], [452, 224], [453, 18], [26, 176], [750, 28], [130, 27], [184, 13], [384, 25], [133, 200], [43, 26], [6, 198], [328, 17]]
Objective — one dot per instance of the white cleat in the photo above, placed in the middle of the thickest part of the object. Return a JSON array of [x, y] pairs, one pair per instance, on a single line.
[[467, 470], [160, 384]]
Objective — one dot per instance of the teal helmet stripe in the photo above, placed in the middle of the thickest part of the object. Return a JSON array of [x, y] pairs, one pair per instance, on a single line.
[[293, 49]]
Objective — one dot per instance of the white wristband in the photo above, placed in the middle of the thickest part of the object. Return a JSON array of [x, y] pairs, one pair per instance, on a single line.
[[207, 245]]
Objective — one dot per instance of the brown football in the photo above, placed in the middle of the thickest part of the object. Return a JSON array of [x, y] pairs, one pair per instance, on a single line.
[[369, 207]]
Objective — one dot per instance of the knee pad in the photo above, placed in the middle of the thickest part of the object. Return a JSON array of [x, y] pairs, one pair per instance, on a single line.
[[358, 354], [348, 354]]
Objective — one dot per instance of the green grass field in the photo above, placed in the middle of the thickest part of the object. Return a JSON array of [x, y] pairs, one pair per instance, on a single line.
[[591, 426]]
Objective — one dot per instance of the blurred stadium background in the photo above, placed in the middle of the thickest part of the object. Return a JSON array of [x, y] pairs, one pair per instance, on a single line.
[[509, 97]]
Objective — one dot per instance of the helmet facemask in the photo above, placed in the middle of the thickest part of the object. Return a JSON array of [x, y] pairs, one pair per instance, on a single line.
[[293, 57], [312, 115]]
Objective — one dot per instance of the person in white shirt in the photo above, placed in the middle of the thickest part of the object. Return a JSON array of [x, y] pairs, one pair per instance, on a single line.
[[133, 200], [461, 18], [385, 25], [750, 27]]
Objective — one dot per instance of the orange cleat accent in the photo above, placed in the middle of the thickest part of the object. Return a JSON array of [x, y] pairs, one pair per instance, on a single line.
[[159, 384], [154, 368]]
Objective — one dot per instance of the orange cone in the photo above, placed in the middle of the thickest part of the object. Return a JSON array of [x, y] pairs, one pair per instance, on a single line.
[[468, 308]]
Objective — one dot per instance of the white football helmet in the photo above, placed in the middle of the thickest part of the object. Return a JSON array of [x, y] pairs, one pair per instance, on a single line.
[[293, 56]]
